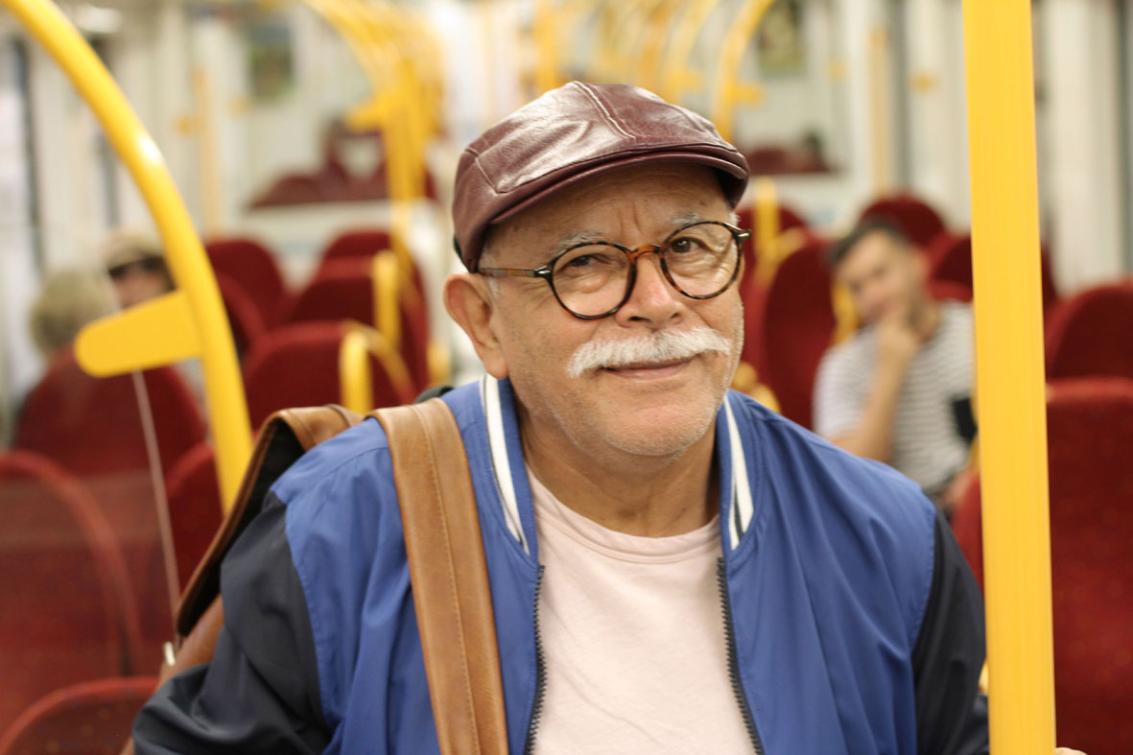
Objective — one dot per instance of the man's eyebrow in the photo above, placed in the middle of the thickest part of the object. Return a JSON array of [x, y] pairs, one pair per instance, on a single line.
[[686, 218], [574, 239]]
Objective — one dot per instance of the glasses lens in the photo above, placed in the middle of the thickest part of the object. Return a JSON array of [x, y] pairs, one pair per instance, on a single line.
[[591, 279], [702, 258]]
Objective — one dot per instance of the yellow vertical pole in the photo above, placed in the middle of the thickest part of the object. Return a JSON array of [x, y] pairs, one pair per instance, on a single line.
[[546, 47], [879, 109], [766, 214], [209, 158], [1009, 357]]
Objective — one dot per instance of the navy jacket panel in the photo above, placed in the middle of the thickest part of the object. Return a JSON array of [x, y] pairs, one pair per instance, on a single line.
[[827, 590]]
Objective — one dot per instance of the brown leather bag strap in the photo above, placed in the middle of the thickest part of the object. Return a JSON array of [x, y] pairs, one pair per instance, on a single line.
[[449, 577]]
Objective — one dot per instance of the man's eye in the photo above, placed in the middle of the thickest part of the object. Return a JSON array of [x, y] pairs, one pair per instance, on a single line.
[[582, 260], [686, 244]]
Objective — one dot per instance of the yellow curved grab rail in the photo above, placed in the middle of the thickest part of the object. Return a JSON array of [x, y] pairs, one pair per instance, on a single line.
[[678, 78], [730, 88], [355, 376], [189, 322], [1010, 384], [646, 48]]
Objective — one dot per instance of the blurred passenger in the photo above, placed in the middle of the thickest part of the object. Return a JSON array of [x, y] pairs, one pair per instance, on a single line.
[[900, 390], [68, 300], [672, 566], [136, 264]]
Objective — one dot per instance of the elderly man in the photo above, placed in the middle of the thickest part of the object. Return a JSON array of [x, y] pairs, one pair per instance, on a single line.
[[673, 568]]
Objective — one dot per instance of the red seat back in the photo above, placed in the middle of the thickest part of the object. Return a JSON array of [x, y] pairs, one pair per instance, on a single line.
[[795, 329], [1090, 431], [361, 243], [244, 317], [1090, 334], [950, 262], [344, 291], [193, 494], [92, 718], [66, 610], [915, 217], [95, 429], [93, 426], [251, 266], [297, 365]]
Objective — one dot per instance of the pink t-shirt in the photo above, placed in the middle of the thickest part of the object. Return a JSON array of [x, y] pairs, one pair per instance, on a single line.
[[633, 638]]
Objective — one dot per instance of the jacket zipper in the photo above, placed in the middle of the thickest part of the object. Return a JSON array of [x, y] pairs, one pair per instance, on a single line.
[[733, 658], [540, 673]]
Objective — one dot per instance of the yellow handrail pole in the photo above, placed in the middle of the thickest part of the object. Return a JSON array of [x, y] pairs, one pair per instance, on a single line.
[[211, 190], [386, 279], [879, 103], [224, 388], [646, 48], [355, 386], [546, 47], [677, 76], [1009, 359], [355, 378], [765, 211], [729, 87]]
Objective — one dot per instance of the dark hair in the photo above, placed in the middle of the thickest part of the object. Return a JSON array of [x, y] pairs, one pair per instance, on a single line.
[[841, 248]]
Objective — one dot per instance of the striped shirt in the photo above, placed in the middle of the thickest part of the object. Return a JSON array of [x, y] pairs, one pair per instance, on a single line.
[[928, 441]]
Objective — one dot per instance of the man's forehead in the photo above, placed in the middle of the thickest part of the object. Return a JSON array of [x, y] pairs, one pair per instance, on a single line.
[[665, 195]]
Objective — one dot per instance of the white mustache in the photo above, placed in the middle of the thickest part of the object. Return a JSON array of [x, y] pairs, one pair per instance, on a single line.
[[658, 348]]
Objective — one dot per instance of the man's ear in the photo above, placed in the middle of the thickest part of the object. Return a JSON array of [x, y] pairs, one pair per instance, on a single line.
[[471, 305]]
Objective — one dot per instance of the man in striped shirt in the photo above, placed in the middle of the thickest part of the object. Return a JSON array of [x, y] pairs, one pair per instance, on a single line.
[[899, 390]]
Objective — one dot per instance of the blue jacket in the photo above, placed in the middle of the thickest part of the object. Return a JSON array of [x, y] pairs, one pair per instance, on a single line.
[[853, 624]]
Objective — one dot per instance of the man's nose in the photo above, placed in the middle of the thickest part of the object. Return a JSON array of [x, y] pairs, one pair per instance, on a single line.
[[653, 298]]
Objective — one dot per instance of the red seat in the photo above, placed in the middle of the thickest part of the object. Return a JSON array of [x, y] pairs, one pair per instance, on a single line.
[[244, 317], [1089, 334], [193, 494], [794, 329], [66, 610], [950, 261], [92, 718], [94, 428], [252, 267], [915, 217], [361, 243], [344, 291], [1090, 431], [297, 365]]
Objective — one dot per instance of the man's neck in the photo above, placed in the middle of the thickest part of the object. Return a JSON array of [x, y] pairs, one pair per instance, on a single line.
[[646, 496]]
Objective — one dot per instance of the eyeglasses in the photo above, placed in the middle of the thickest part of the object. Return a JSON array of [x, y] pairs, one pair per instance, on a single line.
[[594, 279]]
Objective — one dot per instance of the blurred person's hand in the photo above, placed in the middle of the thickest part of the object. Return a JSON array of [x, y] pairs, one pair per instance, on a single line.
[[1067, 751], [897, 341]]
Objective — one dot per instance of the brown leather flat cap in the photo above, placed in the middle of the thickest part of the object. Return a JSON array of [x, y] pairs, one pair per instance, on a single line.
[[571, 133]]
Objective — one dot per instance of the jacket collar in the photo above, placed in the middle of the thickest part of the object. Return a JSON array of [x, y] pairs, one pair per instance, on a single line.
[[509, 470]]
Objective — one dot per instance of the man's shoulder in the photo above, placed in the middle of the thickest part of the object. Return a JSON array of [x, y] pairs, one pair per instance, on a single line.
[[357, 452]]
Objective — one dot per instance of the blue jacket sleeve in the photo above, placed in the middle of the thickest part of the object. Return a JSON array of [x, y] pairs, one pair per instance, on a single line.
[[260, 692]]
